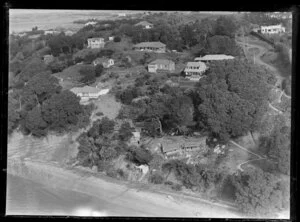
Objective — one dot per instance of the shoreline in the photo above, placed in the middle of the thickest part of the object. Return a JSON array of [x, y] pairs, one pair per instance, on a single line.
[[150, 202]]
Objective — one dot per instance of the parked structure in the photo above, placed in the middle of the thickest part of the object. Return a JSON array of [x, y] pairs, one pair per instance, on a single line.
[[145, 25], [96, 43], [150, 46], [161, 65], [195, 70], [272, 29], [216, 57], [88, 92], [104, 61]]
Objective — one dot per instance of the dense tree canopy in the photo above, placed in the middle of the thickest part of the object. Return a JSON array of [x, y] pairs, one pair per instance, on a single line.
[[231, 98], [259, 193], [61, 110]]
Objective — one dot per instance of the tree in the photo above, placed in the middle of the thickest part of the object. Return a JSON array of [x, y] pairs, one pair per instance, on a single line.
[[140, 156], [225, 26], [231, 99], [42, 86], [258, 193], [117, 39], [34, 123], [32, 67], [98, 70], [61, 110], [88, 74], [156, 178], [125, 132], [219, 44], [13, 115]]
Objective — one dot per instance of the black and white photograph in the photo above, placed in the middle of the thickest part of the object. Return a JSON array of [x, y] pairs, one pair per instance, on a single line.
[[164, 114]]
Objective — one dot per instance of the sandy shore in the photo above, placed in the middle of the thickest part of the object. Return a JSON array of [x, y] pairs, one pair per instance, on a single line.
[[123, 198]]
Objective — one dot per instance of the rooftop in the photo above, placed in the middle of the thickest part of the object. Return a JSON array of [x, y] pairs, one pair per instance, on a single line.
[[143, 23], [196, 64], [214, 57], [161, 61], [85, 89], [171, 143], [95, 38], [150, 44]]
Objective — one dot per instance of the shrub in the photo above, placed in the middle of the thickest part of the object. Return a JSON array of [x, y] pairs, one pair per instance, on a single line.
[[170, 183], [99, 114], [117, 39], [176, 187], [111, 172], [156, 178]]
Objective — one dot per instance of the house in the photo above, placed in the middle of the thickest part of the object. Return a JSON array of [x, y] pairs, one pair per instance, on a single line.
[[51, 32], [104, 61], [135, 139], [161, 65], [150, 46], [48, 59], [272, 29], [111, 38], [121, 14], [90, 23], [88, 92], [145, 25], [181, 145], [69, 33], [216, 57], [195, 70], [96, 43]]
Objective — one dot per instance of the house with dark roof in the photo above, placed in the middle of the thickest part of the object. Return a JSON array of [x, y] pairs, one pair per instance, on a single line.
[[145, 24], [150, 46], [161, 65]]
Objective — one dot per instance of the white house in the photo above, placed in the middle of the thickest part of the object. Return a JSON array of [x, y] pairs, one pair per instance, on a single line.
[[90, 23], [272, 29], [195, 70], [161, 65], [145, 25], [51, 32], [96, 43], [104, 61], [111, 38], [88, 92]]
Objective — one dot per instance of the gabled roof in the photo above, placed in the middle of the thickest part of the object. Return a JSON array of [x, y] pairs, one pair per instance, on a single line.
[[143, 23], [161, 61], [102, 59], [95, 38], [196, 64], [150, 44], [214, 57], [85, 89]]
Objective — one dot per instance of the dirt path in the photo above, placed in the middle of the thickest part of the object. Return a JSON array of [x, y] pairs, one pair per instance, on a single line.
[[248, 161]]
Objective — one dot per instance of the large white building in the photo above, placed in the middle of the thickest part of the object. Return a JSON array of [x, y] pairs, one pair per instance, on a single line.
[[215, 57], [272, 29], [195, 70], [88, 92], [96, 43]]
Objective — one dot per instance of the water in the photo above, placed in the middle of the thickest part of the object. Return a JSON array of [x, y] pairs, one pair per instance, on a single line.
[[25, 19], [25, 197]]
